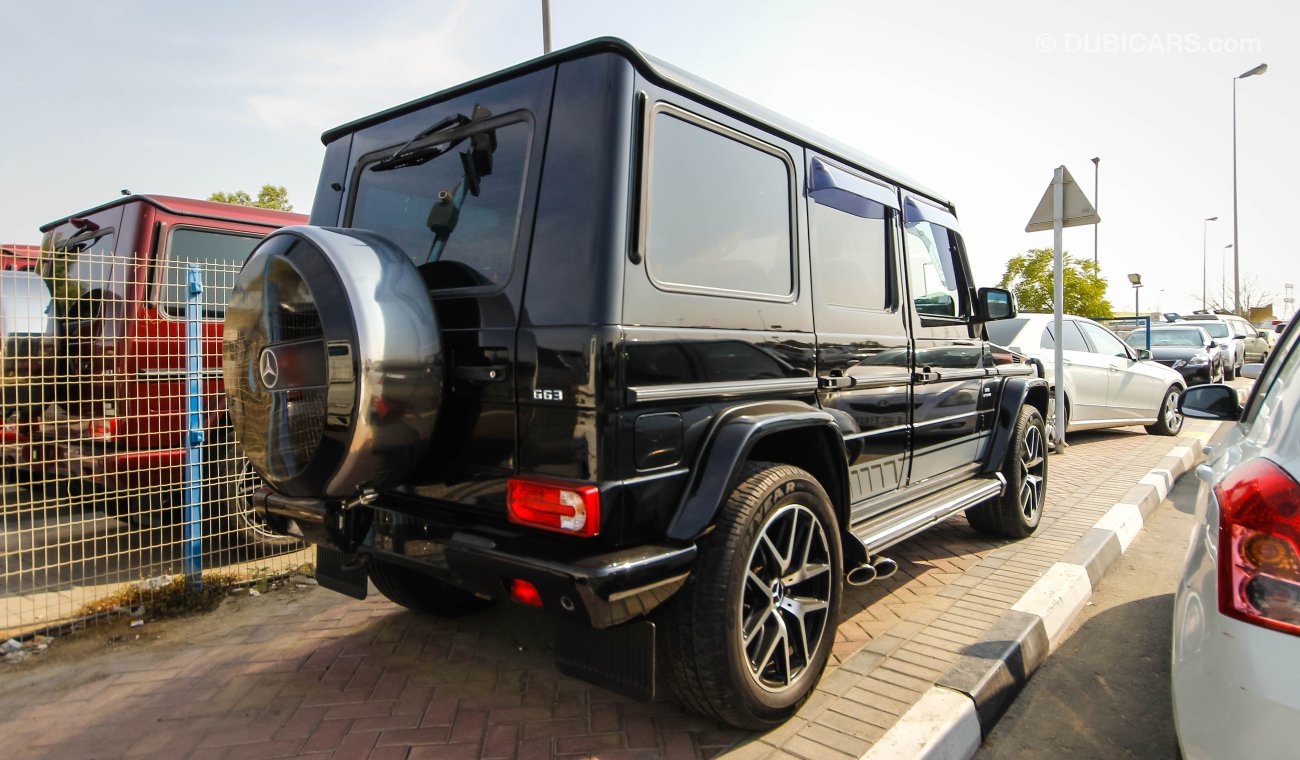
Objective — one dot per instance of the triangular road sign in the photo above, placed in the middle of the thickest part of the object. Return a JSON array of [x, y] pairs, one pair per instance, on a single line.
[[1078, 210]]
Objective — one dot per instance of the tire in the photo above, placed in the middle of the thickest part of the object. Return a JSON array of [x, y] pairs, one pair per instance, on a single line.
[[1016, 513], [1229, 372], [720, 633], [1169, 421], [228, 487], [419, 592]]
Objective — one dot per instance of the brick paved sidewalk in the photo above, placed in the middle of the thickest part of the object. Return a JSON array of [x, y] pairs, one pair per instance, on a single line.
[[319, 675]]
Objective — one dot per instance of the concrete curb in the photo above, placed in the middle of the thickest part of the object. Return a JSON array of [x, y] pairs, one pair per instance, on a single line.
[[951, 720]]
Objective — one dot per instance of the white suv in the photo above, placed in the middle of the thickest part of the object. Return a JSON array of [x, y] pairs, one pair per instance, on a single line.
[[1231, 332]]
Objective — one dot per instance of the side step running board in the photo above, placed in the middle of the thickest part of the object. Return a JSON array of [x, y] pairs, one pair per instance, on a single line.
[[884, 530]]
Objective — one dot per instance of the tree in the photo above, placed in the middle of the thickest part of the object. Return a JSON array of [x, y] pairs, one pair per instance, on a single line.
[[1254, 295], [271, 196], [1030, 277]]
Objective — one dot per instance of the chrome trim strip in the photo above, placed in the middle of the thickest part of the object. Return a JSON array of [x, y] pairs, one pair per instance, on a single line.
[[1013, 370], [946, 419], [640, 394], [882, 381], [881, 431], [655, 476], [163, 375], [958, 374]]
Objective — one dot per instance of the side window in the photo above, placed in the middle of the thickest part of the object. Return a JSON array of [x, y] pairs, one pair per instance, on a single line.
[[719, 213], [1103, 340], [218, 255], [1073, 338], [851, 255], [932, 273]]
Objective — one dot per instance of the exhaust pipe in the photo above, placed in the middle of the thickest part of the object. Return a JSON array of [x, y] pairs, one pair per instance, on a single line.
[[885, 567], [861, 575]]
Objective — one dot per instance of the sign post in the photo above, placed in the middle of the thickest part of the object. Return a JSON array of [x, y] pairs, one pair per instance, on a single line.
[[1063, 205]]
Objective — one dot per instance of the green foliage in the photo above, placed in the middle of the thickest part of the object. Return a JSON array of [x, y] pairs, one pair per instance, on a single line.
[[1030, 276], [270, 196]]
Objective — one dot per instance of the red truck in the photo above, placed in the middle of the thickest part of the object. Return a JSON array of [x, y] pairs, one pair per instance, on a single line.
[[103, 402]]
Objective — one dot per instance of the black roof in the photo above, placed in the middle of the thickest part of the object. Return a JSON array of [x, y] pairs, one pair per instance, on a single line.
[[667, 75]]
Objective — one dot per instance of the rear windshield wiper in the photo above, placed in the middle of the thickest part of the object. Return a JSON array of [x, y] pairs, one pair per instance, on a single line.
[[408, 156]]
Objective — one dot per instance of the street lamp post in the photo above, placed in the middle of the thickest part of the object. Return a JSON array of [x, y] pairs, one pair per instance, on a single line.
[[1223, 278], [1236, 252], [1136, 279], [1096, 204], [1204, 227]]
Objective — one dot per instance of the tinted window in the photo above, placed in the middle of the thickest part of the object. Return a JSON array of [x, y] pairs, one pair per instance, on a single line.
[[1073, 339], [850, 256], [1103, 340], [407, 204], [1215, 329], [83, 266], [718, 212], [219, 255], [932, 270]]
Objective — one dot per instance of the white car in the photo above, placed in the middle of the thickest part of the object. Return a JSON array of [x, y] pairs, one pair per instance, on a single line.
[[1107, 383], [1236, 628]]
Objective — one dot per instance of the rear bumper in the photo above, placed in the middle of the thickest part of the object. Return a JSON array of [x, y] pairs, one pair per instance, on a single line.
[[94, 463], [601, 590]]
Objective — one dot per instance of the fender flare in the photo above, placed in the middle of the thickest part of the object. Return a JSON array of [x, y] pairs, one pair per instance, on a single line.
[[1016, 392], [734, 435]]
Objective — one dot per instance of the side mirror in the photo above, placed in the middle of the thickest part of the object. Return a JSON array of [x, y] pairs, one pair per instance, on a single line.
[[1210, 402], [995, 304], [1252, 370], [1213, 344], [1143, 355]]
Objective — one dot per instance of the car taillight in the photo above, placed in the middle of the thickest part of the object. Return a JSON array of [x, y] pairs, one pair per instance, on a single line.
[[1259, 532], [103, 430], [561, 507]]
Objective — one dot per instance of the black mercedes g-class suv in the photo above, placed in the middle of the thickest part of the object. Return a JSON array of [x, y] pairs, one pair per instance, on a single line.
[[596, 336]]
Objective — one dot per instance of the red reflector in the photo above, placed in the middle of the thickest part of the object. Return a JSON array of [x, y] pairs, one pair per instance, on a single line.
[[561, 507], [524, 592], [1259, 546]]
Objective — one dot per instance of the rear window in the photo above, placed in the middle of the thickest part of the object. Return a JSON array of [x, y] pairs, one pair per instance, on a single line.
[[218, 256], [83, 266], [719, 211], [430, 210], [1215, 329]]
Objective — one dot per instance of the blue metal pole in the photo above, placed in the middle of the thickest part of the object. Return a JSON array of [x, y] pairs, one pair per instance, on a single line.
[[192, 559]]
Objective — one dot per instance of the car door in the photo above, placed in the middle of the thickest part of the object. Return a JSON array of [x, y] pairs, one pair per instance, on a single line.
[[1132, 393], [1087, 376], [863, 356], [948, 362]]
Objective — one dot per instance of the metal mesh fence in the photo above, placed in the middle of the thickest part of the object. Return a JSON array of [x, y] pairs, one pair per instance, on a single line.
[[119, 469]]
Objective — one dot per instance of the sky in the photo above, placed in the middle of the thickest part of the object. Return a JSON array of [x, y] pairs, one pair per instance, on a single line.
[[980, 101]]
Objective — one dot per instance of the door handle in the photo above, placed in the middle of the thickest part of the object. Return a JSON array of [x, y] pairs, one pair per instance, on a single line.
[[926, 375], [835, 382]]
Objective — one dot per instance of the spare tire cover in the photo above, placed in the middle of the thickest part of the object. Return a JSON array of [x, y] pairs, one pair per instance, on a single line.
[[333, 366]]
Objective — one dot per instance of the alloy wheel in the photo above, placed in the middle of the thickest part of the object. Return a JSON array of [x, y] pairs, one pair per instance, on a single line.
[[785, 606], [1033, 472], [1173, 419]]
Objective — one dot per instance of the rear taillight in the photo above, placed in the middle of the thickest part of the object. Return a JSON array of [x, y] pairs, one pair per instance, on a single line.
[[100, 430], [561, 507], [1259, 532]]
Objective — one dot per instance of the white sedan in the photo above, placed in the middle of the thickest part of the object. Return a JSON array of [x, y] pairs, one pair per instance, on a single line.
[[1236, 628], [1107, 383]]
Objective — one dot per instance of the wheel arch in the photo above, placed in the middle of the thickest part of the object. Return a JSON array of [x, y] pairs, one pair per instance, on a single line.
[[1016, 393], [786, 432]]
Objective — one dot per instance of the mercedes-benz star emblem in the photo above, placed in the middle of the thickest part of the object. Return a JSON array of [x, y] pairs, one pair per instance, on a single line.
[[268, 367]]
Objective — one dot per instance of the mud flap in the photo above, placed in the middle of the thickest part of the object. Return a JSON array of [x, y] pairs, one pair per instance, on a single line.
[[336, 573], [621, 658]]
